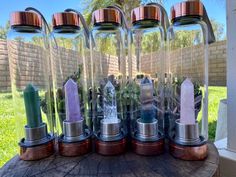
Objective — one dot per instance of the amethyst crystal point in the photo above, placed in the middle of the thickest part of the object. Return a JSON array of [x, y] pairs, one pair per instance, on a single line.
[[187, 110], [109, 103], [146, 98], [72, 102]]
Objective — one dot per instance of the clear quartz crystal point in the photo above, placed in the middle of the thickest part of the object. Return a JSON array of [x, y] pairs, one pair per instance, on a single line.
[[109, 103], [72, 101], [187, 112], [146, 98]]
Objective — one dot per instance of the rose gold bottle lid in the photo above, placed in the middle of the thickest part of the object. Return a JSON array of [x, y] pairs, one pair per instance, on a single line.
[[106, 15], [187, 8], [147, 12], [22, 18], [65, 19]]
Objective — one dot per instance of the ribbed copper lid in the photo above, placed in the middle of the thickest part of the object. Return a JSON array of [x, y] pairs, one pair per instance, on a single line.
[[25, 19], [65, 19], [147, 12], [106, 15], [187, 8]]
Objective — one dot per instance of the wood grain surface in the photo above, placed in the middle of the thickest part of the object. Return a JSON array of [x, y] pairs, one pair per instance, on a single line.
[[128, 164]]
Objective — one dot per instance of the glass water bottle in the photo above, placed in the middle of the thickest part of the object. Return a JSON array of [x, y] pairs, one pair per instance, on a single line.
[[108, 71], [31, 85], [146, 80], [71, 83], [188, 85]]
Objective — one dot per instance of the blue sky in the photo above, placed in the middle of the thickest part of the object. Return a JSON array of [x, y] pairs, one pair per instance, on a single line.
[[216, 8]]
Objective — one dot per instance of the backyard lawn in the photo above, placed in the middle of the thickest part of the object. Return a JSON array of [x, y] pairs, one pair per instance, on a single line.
[[8, 140]]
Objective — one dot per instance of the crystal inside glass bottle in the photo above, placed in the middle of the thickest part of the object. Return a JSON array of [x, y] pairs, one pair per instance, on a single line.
[[108, 79], [188, 67], [70, 65], [31, 85], [146, 78]]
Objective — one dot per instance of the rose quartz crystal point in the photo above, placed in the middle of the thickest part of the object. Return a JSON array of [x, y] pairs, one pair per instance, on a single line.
[[72, 101], [187, 112]]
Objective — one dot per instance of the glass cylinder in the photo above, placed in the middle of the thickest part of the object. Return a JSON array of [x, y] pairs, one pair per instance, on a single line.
[[146, 78], [30, 83], [71, 83], [188, 82], [108, 80]]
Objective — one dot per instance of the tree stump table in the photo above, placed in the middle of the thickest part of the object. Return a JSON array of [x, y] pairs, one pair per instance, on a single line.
[[128, 164]]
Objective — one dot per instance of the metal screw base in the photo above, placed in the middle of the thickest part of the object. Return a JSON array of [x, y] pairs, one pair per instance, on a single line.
[[36, 136], [110, 131], [147, 131], [74, 132], [187, 134]]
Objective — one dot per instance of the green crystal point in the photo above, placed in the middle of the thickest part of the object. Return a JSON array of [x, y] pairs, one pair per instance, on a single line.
[[32, 106]]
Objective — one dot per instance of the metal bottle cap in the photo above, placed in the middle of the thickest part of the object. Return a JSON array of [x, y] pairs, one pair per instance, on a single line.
[[106, 15], [187, 8], [147, 12], [65, 19], [22, 18]]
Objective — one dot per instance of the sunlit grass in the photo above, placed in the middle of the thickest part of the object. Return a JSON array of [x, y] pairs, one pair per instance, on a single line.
[[8, 138], [215, 95]]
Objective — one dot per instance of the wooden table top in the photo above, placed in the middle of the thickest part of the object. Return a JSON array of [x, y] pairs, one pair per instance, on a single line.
[[128, 164]]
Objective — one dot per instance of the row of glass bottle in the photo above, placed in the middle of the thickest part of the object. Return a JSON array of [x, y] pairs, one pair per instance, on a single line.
[[91, 80]]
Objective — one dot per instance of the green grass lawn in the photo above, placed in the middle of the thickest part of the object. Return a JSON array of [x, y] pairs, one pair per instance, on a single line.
[[8, 140], [215, 95], [8, 137]]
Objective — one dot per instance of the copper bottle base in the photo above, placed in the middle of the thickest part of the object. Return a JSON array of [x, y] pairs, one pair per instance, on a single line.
[[75, 149], [148, 148], [190, 153], [37, 152], [110, 147]]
